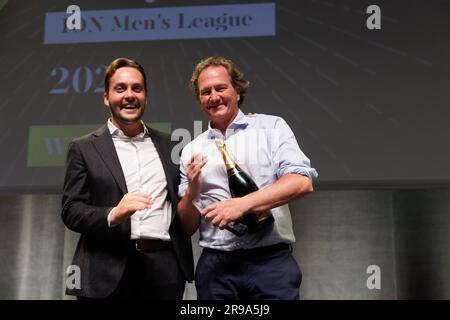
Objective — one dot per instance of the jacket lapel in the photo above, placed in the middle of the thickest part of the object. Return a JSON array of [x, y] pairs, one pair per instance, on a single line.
[[105, 147], [164, 152]]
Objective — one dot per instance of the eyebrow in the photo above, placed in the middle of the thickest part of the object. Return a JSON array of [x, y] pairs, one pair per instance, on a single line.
[[222, 84], [126, 84]]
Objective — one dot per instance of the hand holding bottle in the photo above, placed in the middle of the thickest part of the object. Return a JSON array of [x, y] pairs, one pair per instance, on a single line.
[[241, 185], [222, 213]]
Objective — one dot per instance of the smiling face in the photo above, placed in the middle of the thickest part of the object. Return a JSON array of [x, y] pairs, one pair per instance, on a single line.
[[218, 98], [126, 98]]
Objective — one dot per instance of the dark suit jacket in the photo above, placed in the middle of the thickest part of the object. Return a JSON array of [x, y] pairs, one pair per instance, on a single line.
[[94, 184]]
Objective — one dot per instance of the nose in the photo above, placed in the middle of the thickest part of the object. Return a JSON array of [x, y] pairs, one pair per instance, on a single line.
[[129, 94], [213, 96]]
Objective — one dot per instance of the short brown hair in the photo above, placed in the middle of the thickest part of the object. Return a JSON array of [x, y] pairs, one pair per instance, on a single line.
[[120, 63], [236, 76]]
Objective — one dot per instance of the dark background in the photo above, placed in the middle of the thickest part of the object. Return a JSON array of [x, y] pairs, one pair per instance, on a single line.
[[369, 108]]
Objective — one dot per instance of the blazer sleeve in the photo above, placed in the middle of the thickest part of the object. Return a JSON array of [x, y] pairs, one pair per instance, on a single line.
[[78, 213]]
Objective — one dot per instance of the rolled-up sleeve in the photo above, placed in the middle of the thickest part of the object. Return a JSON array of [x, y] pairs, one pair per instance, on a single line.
[[286, 153]]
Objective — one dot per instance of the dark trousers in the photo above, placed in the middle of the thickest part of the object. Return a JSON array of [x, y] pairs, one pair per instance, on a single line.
[[259, 274], [150, 275]]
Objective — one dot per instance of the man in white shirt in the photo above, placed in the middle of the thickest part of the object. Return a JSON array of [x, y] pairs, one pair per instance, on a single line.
[[120, 194], [258, 264]]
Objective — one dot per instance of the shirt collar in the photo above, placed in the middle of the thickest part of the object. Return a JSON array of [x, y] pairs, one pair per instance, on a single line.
[[116, 132], [240, 122]]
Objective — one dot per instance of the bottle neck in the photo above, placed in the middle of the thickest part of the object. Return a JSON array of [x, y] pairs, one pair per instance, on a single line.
[[229, 163]]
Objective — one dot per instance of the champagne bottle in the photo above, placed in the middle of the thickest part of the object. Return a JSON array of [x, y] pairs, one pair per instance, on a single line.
[[241, 184]]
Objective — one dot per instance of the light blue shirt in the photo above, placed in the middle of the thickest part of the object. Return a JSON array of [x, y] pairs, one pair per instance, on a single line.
[[265, 147]]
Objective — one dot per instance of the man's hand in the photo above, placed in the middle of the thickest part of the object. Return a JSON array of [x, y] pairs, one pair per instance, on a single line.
[[128, 205], [187, 212], [223, 212], [289, 187], [194, 174]]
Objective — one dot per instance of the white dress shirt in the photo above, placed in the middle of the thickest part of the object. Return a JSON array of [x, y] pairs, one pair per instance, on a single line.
[[144, 172]]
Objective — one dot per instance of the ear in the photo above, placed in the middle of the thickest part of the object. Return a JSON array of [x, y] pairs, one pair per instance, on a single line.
[[105, 99]]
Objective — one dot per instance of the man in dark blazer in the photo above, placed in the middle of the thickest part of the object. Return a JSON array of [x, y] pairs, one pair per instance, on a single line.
[[120, 194]]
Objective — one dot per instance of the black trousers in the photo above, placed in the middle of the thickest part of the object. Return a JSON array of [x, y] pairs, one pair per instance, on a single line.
[[150, 275], [251, 274]]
